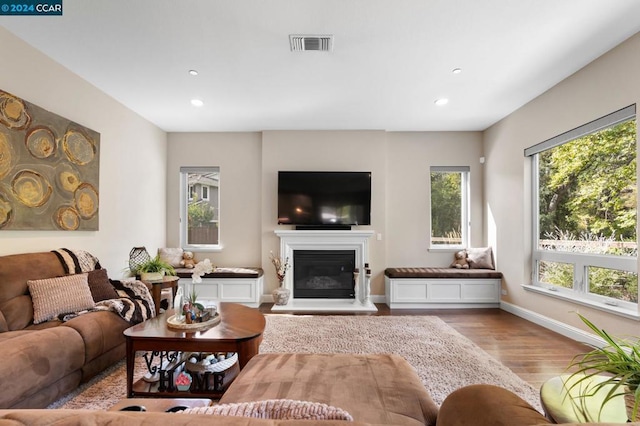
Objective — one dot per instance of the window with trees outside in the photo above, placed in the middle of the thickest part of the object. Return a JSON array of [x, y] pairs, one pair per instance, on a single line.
[[585, 243], [200, 216], [449, 207]]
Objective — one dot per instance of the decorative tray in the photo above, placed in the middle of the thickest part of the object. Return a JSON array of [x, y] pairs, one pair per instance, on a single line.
[[174, 322]]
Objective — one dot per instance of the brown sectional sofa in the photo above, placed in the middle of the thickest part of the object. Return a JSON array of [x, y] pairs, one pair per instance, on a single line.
[[42, 362], [476, 405]]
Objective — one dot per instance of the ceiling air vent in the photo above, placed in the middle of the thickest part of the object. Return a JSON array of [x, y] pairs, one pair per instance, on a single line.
[[319, 43]]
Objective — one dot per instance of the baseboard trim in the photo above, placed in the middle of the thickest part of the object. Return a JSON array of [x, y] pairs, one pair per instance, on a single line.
[[553, 325]]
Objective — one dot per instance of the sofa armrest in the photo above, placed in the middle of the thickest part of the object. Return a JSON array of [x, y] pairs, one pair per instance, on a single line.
[[489, 405]]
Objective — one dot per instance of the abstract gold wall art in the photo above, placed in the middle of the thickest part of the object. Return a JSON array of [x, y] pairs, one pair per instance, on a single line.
[[49, 170]]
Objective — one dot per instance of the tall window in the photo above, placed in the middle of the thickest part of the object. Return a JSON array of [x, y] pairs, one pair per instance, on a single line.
[[200, 215], [449, 207], [585, 201]]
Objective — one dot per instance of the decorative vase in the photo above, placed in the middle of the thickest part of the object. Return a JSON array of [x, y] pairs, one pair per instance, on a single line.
[[629, 402], [281, 295], [177, 303]]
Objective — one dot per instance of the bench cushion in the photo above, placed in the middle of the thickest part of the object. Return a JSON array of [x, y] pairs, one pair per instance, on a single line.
[[223, 273], [441, 273]]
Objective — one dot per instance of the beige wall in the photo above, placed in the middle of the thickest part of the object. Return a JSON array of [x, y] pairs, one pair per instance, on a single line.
[[409, 157], [132, 160], [606, 85], [238, 156], [324, 151], [399, 163]]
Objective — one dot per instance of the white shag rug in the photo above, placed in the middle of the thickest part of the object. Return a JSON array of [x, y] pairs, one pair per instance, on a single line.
[[444, 359]]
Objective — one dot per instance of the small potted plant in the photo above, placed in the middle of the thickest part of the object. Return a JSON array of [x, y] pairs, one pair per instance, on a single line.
[[154, 269], [618, 362]]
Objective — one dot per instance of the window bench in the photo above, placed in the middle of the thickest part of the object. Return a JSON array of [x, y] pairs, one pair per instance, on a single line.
[[442, 288], [240, 285]]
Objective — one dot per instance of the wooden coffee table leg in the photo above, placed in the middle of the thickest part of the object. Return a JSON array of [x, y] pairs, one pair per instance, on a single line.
[[248, 349], [130, 363]]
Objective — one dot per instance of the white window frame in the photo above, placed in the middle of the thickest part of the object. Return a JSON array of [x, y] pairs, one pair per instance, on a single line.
[[185, 197], [580, 261], [465, 219]]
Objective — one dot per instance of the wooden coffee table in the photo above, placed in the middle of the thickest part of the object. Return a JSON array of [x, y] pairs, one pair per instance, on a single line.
[[240, 330]]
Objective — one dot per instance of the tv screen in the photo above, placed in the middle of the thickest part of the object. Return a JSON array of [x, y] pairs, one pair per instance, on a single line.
[[324, 198]]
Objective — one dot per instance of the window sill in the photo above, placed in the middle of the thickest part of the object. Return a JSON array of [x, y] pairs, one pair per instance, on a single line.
[[616, 310], [449, 249], [203, 248]]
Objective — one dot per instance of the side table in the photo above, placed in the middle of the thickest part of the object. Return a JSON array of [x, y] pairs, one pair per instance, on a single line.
[[168, 281]]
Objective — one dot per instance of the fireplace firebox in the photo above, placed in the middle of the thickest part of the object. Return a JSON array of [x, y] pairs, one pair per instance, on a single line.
[[326, 274]]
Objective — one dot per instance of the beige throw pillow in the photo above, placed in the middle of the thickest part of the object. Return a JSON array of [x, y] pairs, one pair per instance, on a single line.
[[61, 295], [480, 258], [172, 256], [284, 409]]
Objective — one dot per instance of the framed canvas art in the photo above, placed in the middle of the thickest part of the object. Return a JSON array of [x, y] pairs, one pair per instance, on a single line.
[[49, 170]]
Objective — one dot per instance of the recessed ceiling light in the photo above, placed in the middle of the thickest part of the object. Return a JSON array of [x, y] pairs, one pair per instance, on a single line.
[[441, 101], [193, 72], [197, 102], [456, 70]]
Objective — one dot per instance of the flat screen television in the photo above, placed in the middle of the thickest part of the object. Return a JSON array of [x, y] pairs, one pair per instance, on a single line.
[[324, 198]]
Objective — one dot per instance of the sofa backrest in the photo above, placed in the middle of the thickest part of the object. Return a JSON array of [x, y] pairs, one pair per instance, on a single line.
[[16, 308]]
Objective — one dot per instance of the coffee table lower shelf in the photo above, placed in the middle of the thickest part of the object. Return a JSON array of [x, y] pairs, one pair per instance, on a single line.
[[211, 385]]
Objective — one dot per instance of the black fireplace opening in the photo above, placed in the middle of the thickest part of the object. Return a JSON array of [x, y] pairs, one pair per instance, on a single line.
[[323, 274]]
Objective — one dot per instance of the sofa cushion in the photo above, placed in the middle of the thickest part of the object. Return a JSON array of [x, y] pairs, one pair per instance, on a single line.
[[373, 388], [132, 418], [101, 331], [487, 405], [54, 296], [275, 409], [480, 258], [15, 270], [38, 359], [100, 286]]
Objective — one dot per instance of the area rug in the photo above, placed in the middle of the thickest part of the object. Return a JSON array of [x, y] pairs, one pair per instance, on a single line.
[[444, 359]]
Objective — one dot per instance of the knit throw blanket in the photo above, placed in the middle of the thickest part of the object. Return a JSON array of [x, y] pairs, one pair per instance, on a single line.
[[77, 261], [134, 305]]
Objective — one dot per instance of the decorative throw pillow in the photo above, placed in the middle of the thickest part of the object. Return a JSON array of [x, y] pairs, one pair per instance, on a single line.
[[172, 256], [54, 296], [285, 409], [100, 286], [480, 258]]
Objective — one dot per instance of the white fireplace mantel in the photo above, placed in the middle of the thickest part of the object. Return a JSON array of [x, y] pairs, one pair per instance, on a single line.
[[291, 240]]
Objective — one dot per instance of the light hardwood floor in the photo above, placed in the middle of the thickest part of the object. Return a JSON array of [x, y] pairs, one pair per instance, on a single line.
[[532, 352]]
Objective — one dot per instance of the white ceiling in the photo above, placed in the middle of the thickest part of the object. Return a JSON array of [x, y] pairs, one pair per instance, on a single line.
[[392, 58]]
